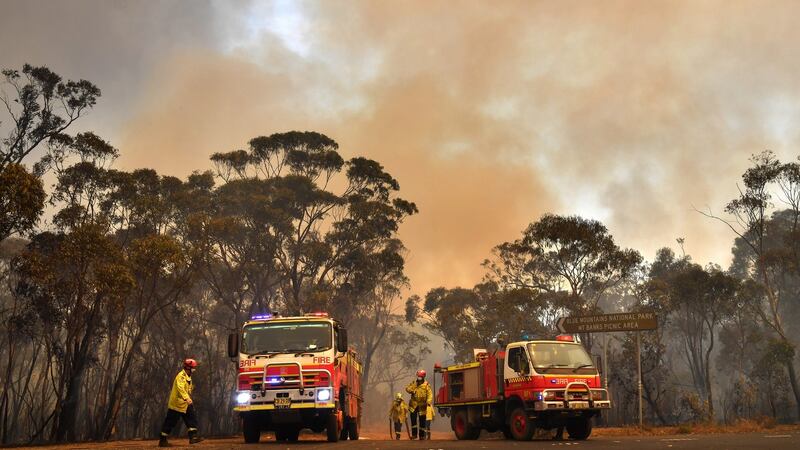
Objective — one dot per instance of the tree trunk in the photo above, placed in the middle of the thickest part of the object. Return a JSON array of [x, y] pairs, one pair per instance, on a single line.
[[707, 363], [793, 381], [105, 429], [67, 418], [653, 404]]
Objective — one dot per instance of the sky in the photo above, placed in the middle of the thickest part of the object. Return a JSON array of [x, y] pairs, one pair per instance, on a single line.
[[489, 114]]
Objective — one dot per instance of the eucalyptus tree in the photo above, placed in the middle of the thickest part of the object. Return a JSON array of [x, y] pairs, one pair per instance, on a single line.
[[297, 222], [479, 317], [572, 258], [76, 277], [39, 107], [767, 248]]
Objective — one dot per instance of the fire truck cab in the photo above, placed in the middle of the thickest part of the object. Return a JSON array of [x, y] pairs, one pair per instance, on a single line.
[[296, 373], [527, 385]]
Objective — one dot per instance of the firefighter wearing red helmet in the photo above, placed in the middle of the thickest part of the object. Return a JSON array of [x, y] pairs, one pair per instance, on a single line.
[[180, 405], [421, 398]]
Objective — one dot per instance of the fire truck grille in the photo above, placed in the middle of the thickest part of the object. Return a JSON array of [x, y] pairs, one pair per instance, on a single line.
[[573, 395], [254, 381]]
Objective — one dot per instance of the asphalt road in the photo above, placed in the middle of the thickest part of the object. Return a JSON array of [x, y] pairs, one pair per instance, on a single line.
[[786, 440]]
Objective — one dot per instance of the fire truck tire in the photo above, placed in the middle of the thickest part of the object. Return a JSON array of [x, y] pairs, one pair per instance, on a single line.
[[579, 428], [343, 432], [520, 425], [461, 426], [252, 429], [352, 429], [293, 435], [332, 427]]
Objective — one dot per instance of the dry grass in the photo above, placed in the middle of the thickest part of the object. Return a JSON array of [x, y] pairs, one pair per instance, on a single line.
[[765, 425]]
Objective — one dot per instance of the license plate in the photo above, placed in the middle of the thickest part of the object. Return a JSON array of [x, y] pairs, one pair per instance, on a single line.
[[579, 405], [283, 402]]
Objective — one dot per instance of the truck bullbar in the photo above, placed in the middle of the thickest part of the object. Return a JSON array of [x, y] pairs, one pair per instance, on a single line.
[[572, 399], [263, 380]]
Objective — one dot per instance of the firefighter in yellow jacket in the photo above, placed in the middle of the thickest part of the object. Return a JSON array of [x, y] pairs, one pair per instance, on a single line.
[[421, 397], [398, 413], [180, 405]]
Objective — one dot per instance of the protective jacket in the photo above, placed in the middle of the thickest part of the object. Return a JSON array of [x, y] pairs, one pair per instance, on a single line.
[[429, 413], [421, 395], [398, 411], [181, 392]]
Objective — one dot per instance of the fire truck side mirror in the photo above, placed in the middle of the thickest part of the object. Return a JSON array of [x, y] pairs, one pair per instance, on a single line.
[[599, 363], [233, 345], [341, 341]]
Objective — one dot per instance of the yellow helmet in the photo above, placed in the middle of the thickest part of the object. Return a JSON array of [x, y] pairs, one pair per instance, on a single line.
[[398, 396]]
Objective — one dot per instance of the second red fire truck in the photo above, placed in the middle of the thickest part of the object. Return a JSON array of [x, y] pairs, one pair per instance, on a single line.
[[296, 373], [527, 385]]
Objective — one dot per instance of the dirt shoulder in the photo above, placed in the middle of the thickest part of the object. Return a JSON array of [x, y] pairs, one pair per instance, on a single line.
[[745, 426]]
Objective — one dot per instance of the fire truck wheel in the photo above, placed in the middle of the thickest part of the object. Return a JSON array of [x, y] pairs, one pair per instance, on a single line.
[[520, 425], [579, 428], [332, 427], [352, 429], [252, 429], [461, 426], [345, 425], [292, 435]]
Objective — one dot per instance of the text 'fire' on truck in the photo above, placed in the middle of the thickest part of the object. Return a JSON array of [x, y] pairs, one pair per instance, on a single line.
[[527, 385], [296, 373]]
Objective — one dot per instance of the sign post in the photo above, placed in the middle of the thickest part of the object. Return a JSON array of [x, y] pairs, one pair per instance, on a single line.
[[639, 363], [609, 323]]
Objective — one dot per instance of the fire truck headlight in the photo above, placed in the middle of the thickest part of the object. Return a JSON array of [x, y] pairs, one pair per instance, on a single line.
[[323, 395], [549, 396], [243, 398]]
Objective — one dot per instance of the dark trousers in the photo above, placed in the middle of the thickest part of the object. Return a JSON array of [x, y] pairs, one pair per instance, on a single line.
[[423, 423], [189, 418], [398, 427]]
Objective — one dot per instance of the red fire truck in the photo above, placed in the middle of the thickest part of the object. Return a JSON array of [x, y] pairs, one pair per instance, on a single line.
[[528, 385], [296, 373]]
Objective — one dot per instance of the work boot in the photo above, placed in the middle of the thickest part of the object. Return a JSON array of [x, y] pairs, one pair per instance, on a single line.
[[163, 442], [193, 438], [397, 436]]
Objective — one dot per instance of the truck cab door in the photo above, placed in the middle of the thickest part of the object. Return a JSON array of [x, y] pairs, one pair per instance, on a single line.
[[517, 363]]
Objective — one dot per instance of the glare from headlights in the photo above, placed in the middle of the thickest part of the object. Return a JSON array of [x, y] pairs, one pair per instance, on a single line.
[[324, 395], [243, 398]]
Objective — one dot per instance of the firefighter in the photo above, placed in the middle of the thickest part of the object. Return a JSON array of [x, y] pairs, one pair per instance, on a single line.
[[180, 405], [398, 413], [421, 397]]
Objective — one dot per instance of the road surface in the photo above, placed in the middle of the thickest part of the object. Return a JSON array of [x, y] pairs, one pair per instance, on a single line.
[[776, 440]]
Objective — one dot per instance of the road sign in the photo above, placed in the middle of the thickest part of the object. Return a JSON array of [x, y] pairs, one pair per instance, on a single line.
[[606, 323]]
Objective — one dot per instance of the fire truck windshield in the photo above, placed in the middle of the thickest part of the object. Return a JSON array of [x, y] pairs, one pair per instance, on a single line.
[[287, 337], [555, 357]]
